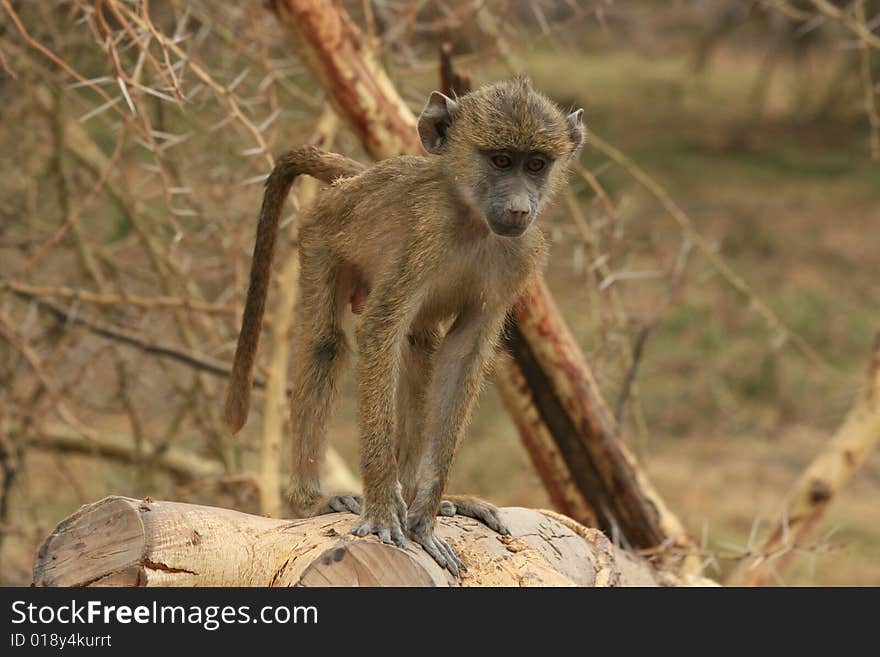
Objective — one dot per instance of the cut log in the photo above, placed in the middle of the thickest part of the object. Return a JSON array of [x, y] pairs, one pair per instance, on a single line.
[[120, 541]]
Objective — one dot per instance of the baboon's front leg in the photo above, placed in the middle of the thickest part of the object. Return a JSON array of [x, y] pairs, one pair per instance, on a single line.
[[415, 372], [459, 365], [415, 375], [387, 316]]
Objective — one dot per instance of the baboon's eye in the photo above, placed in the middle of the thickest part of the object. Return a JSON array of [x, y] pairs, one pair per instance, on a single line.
[[535, 164], [501, 161]]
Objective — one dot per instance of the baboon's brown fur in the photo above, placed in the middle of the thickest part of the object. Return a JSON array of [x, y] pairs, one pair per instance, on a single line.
[[407, 243]]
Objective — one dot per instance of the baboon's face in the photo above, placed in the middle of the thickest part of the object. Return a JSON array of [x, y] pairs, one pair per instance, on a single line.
[[510, 188], [505, 146]]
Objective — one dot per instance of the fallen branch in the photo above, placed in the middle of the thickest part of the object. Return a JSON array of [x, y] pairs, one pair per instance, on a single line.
[[336, 472], [86, 296], [184, 466], [821, 481], [203, 363], [180, 464]]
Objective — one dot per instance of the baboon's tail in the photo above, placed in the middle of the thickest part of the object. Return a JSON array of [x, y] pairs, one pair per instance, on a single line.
[[307, 160]]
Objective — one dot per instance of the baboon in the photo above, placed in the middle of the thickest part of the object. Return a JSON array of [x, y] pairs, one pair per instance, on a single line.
[[431, 253]]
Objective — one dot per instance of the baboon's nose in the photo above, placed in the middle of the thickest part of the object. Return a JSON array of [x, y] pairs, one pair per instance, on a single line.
[[517, 213]]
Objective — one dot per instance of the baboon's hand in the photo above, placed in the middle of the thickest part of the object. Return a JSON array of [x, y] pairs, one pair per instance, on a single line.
[[473, 507], [422, 532], [329, 504], [388, 531], [387, 524]]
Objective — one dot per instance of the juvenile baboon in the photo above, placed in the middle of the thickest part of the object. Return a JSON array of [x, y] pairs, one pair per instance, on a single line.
[[431, 252]]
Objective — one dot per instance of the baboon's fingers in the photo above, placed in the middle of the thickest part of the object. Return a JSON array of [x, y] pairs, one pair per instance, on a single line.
[[439, 550], [477, 509], [435, 554], [451, 556], [488, 517], [343, 503], [363, 529], [398, 537], [392, 536], [387, 534]]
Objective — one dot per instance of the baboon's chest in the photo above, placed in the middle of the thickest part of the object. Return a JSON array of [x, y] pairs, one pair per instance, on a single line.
[[472, 283]]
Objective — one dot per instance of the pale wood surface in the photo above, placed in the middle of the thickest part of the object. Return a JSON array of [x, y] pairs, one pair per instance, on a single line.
[[121, 541]]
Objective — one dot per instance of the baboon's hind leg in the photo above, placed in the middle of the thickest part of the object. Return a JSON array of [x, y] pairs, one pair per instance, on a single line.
[[320, 352]]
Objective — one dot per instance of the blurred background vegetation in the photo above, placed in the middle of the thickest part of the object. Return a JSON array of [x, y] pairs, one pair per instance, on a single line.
[[131, 179]]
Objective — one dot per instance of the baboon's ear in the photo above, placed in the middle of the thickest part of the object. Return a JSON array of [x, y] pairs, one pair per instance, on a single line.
[[576, 130], [434, 121]]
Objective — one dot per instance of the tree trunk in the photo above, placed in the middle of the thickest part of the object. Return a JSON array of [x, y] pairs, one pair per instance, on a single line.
[[120, 541]]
